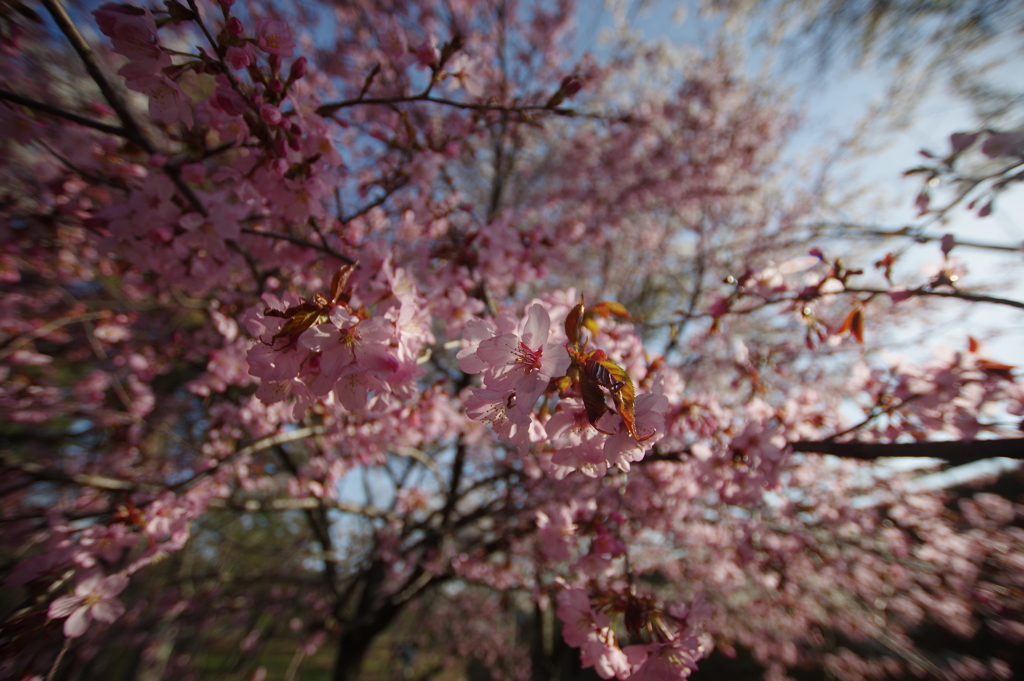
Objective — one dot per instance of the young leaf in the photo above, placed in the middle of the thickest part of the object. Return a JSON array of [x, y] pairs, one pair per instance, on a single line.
[[303, 317], [593, 399], [624, 396], [611, 308], [339, 284], [572, 323]]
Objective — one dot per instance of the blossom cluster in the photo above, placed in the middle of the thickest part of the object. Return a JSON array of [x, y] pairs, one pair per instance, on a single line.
[[517, 362], [337, 352], [133, 34], [673, 635]]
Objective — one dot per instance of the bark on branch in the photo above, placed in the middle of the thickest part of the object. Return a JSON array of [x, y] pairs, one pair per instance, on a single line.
[[956, 452]]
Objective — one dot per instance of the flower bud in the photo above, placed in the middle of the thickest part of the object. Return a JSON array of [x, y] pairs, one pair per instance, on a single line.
[[270, 114], [298, 69]]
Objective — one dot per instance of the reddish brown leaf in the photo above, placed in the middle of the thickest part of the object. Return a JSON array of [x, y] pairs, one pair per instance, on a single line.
[[996, 368], [339, 284], [572, 322], [854, 323], [857, 326], [593, 399], [611, 308], [623, 394]]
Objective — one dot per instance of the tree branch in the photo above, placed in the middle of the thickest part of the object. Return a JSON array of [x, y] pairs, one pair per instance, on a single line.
[[63, 113], [324, 248], [133, 131], [956, 452], [328, 109], [962, 295], [300, 504], [848, 229]]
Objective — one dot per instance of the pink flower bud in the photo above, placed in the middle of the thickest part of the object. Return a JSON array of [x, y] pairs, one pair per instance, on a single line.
[[270, 114], [237, 57], [298, 69], [235, 27], [393, 42], [275, 85], [948, 241], [228, 101], [274, 38], [962, 140], [898, 295], [194, 173], [427, 52], [1003, 144]]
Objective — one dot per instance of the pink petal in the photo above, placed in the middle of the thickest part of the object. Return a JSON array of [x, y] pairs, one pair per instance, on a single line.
[[112, 585], [535, 333], [107, 611], [63, 606], [499, 351], [555, 361], [375, 358], [76, 625]]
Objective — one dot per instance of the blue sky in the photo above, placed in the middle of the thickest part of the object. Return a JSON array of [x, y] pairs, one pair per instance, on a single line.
[[834, 102]]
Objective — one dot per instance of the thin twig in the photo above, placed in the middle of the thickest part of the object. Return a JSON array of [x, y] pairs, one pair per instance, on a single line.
[[957, 452], [301, 242], [300, 504], [329, 109], [962, 295], [21, 341], [60, 658], [40, 472], [258, 446], [911, 233], [133, 131], [63, 113]]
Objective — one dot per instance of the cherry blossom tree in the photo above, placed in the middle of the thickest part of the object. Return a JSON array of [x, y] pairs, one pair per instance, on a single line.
[[359, 323]]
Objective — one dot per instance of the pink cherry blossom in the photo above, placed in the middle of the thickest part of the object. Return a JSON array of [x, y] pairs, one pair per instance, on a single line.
[[347, 340], [133, 34], [525, 362], [94, 598], [393, 42], [274, 37], [239, 57]]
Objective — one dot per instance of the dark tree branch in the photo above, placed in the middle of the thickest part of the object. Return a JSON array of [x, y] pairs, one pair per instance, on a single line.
[[301, 242], [300, 504], [132, 130], [63, 113], [849, 229], [962, 295], [956, 452], [329, 109]]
